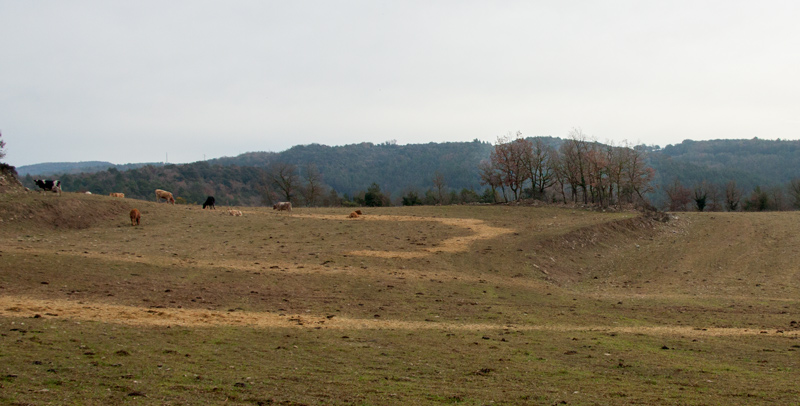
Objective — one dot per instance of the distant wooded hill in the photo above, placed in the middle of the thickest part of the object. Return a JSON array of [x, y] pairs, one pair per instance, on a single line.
[[57, 168], [396, 168], [750, 163], [399, 169]]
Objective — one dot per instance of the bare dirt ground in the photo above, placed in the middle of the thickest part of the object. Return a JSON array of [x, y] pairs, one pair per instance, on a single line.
[[479, 229], [15, 306]]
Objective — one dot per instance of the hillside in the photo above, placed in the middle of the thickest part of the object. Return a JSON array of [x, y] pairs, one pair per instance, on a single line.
[[750, 163], [398, 169], [422, 305], [58, 168], [192, 183]]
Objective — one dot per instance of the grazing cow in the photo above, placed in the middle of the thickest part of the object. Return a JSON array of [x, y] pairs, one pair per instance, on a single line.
[[235, 213], [49, 185], [281, 206], [209, 203], [163, 194], [353, 215], [117, 194], [359, 212], [136, 217]]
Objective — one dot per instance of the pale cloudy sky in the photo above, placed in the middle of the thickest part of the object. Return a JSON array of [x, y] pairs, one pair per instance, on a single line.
[[138, 81]]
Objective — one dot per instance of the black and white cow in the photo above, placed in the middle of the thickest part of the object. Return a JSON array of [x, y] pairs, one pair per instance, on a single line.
[[49, 185], [209, 202]]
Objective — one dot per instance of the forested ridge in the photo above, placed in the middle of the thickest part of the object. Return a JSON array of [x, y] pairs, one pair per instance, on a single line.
[[349, 171], [51, 168], [396, 168], [750, 163]]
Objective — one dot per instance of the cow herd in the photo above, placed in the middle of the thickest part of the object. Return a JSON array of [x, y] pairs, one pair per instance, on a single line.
[[161, 195]]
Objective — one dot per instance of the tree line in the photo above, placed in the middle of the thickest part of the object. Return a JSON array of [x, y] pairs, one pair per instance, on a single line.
[[576, 169], [580, 170], [708, 196]]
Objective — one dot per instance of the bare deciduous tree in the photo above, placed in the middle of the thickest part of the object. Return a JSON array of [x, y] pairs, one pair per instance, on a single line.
[[794, 192], [537, 161], [313, 189], [732, 196], [283, 179], [573, 155], [597, 174], [638, 174], [679, 196], [559, 176], [507, 158], [438, 183], [714, 202], [777, 198], [489, 176]]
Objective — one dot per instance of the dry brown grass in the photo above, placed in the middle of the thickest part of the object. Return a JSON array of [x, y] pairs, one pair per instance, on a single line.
[[467, 304]]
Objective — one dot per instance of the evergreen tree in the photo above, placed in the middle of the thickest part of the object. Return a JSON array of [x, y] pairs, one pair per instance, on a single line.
[[373, 197]]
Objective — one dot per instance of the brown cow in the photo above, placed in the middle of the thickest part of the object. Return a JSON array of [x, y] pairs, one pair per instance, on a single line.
[[359, 212], [163, 194], [353, 215], [281, 206], [136, 217], [117, 194]]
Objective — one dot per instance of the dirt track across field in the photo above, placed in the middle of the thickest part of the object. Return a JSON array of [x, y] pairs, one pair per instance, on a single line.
[[480, 229], [16, 306]]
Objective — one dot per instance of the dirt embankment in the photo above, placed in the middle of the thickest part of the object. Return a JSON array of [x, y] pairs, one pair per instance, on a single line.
[[68, 211], [9, 183], [576, 251], [614, 231]]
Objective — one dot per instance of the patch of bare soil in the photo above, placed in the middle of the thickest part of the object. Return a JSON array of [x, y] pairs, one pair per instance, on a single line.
[[18, 306], [480, 229]]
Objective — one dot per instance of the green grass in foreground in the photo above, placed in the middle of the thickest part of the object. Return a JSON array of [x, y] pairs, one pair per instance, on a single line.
[[51, 361]]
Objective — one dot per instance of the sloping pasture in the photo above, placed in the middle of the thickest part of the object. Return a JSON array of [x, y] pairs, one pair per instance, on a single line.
[[424, 305]]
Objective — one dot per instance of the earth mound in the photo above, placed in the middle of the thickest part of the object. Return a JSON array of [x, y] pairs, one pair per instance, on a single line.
[[8, 180], [68, 211]]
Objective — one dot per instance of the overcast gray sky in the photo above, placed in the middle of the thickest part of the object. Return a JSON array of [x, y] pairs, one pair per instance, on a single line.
[[138, 81]]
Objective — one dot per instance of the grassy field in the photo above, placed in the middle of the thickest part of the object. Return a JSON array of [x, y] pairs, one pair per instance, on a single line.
[[470, 305]]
